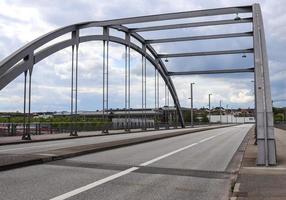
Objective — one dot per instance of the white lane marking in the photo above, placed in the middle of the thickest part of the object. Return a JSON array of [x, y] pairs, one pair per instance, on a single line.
[[167, 155], [94, 184], [47, 145], [127, 171], [206, 139], [178, 150]]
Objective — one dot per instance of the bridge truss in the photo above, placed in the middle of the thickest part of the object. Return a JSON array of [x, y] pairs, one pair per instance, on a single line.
[[23, 60]]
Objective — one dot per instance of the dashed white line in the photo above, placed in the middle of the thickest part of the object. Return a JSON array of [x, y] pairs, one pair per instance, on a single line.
[[94, 184], [167, 155], [127, 171]]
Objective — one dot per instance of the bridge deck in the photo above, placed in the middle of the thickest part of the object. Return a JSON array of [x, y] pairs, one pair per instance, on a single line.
[[191, 166]]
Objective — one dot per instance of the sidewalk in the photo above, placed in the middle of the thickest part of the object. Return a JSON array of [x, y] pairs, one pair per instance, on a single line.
[[7, 140], [58, 136], [262, 183]]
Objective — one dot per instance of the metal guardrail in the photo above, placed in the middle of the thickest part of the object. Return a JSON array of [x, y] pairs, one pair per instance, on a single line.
[[40, 128]]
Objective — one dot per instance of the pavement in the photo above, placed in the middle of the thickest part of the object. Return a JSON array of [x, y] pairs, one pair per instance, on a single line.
[[189, 166], [23, 154], [8, 140], [281, 126], [262, 183]]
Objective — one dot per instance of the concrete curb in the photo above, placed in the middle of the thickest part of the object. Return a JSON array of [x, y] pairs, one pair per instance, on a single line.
[[70, 137], [234, 187], [63, 153]]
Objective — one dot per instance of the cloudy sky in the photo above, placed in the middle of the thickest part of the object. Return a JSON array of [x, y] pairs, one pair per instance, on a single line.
[[24, 20]]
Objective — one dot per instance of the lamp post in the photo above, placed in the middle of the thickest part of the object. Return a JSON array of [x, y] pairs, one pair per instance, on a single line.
[[227, 114], [192, 101], [220, 111], [231, 112], [210, 108]]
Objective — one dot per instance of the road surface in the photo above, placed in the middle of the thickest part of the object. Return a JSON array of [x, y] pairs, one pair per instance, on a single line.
[[185, 167]]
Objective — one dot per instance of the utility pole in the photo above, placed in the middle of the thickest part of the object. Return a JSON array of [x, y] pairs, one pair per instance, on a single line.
[[227, 114], [220, 112], [210, 108], [192, 104]]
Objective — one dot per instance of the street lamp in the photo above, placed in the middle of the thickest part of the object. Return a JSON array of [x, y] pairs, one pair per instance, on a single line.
[[227, 114], [210, 108], [192, 101], [231, 112], [220, 111]]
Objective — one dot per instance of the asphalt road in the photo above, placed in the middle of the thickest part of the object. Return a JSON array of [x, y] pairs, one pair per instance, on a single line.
[[185, 167]]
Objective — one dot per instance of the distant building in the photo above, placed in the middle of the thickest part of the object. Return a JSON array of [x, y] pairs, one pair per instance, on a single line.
[[231, 119]]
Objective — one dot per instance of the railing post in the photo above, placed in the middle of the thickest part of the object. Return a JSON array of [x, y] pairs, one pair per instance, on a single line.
[[27, 127], [74, 86]]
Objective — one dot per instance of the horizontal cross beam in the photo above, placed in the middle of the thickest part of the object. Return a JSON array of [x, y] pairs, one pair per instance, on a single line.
[[193, 24], [178, 15], [219, 71], [203, 37], [205, 53]]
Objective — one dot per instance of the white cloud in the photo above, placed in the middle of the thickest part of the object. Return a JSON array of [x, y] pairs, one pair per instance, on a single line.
[[51, 77], [242, 97]]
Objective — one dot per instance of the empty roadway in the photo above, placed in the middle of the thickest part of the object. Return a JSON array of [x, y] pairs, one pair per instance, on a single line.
[[190, 166]]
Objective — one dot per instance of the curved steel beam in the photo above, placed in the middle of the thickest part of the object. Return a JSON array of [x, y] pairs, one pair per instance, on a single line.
[[22, 66], [16, 70], [24, 52]]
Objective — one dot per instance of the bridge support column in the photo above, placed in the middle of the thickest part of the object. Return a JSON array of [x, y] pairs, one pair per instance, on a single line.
[[156, 118], [144, 91], [74, 87], [264, 115], [27, 126], [105, 80], [26, 135], [167, 102], [127, 83]]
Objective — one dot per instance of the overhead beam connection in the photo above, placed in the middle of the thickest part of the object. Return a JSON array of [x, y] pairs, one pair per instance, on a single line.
[[171, 16], [203, 37], [206, 53], [219, 71], [193, 24]]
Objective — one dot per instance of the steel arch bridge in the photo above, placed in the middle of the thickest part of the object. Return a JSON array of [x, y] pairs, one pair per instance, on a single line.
[[24, 59]]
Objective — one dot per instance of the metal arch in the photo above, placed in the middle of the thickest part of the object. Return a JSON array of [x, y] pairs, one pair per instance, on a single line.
[[10, 74], [22, 66], [28, 50]]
